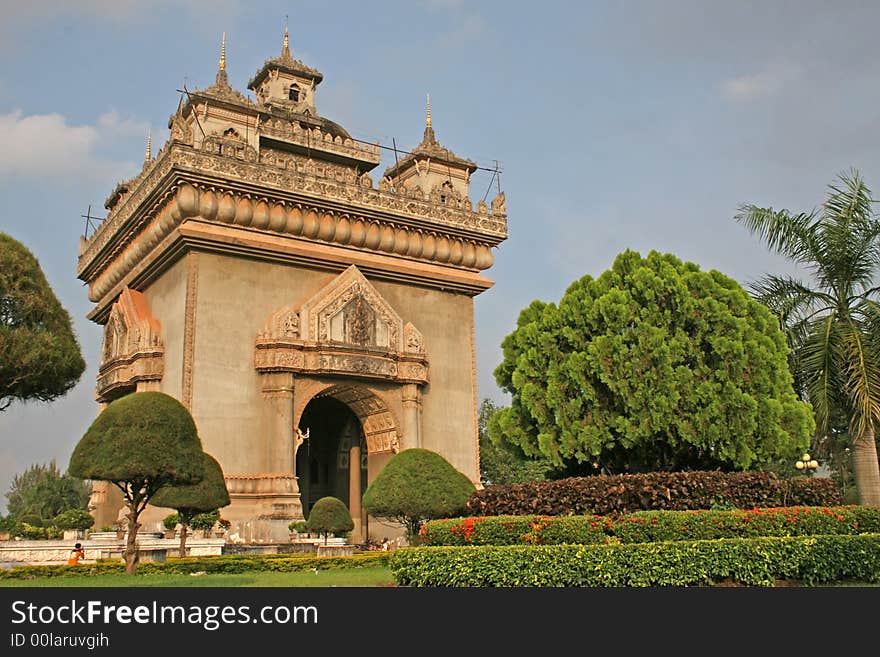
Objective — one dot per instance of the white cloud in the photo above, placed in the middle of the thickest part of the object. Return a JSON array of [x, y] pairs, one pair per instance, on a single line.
[[747, 88], [45, 145], [111, 123]]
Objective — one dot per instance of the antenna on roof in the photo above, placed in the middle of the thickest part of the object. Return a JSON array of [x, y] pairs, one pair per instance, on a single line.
[[89, 225]]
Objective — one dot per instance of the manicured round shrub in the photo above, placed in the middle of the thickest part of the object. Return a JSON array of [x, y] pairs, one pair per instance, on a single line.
[[417, 485], [329, 516]]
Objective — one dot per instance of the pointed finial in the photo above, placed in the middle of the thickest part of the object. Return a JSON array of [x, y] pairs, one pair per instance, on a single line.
[[428, 115], [222, 79], [148, 155], [285, 46]]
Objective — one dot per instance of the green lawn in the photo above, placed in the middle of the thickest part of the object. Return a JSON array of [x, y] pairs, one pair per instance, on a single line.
[[357, 577]]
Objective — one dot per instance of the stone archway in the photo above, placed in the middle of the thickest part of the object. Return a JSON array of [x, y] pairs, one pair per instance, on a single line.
[[346, 342], [347, 423]]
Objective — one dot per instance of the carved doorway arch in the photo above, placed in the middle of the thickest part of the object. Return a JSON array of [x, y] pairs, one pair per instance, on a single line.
[[377, 420]]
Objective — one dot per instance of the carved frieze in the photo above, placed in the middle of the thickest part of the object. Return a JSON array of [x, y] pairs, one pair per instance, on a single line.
[[328, 182]]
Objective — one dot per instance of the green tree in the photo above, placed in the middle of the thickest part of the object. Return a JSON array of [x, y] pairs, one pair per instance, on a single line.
[[140, 443], [414, 486], [328, 516], [39, 354], [502, 463], [73, 519], [655, 365], [44, 491], [833, 321], [190, 500]]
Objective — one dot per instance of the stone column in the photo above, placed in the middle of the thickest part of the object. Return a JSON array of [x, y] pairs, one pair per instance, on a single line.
[[273, 496], [278, 387], [354, 492], [412, 416]]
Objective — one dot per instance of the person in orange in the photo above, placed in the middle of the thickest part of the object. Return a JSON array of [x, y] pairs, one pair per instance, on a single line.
[[76, 554]]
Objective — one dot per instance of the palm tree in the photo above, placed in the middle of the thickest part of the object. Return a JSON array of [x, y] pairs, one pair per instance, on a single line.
[[833, 324]]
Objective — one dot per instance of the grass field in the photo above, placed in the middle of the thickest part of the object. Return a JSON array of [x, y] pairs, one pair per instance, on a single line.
[[354, 577]]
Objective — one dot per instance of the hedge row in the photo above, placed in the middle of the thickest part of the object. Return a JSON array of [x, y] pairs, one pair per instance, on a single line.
[[617, 494], [810, 560], [227, 564], [649, 526]]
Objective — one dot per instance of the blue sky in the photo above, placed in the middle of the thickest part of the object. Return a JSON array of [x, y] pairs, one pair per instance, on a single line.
[[617, 125]]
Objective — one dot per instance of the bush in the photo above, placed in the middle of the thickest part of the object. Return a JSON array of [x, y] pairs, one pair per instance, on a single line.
[[329, 516], [652, 526], [299, 526], [618, 494], [170, 521], [79, 519], [229, 564], [762, 561], [32, 533], [32, 520], [648, 526], [205, 521], [417, 485]]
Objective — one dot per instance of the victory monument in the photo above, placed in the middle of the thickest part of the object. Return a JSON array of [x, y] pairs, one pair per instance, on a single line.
[[313, 317]]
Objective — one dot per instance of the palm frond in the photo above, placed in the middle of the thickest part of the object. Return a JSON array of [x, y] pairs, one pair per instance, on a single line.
[[848, 236], [862, 376], [820, 357], [789, 298], [790, 235]]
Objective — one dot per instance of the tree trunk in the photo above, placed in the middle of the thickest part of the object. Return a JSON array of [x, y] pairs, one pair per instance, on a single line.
[[183, 532], [866, 468], [131, 549]]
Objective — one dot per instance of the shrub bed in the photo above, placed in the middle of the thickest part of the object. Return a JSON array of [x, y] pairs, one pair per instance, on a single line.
[[810, 560], [220, 564], [617, 494], [649, 526]]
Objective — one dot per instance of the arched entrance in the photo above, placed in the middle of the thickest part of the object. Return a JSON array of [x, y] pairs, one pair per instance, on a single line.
[[345, 423], [323, 462]]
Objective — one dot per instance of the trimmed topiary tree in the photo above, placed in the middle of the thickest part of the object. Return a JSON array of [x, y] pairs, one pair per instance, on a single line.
[[39, 355], [140, 443], [329, 516], [190, 500], [417, 485]]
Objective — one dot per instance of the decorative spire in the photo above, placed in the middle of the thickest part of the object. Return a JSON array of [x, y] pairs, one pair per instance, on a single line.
[[148, 155], [222, 64], [222, 79], [429, 137], [285, 45]]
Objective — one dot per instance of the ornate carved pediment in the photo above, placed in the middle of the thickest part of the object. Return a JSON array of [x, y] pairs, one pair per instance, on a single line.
[[132, 350], [351, 311], [346, 329]]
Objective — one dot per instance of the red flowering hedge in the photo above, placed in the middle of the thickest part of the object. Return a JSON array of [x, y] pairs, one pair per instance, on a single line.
[[652, 526], [618, 494], [811, 560]]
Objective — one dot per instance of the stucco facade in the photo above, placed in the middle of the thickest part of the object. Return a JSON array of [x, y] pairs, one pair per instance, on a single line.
[[254, 267]]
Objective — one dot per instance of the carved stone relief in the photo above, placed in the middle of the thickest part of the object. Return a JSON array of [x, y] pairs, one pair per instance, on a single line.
[[132, 349]]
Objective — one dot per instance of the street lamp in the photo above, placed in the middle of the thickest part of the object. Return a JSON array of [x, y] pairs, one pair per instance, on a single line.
[[807, 463]]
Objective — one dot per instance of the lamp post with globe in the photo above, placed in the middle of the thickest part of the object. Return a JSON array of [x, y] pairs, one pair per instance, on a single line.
[[807, 464]]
